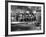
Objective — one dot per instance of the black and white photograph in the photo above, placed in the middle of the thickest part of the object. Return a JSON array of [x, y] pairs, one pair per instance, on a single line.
[[24, 18]]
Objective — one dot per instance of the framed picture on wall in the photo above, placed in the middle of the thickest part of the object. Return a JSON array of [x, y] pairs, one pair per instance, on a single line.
[[24, 18]]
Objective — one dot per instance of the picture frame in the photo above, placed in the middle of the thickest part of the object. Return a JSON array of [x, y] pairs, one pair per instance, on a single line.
[[14, 6]]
